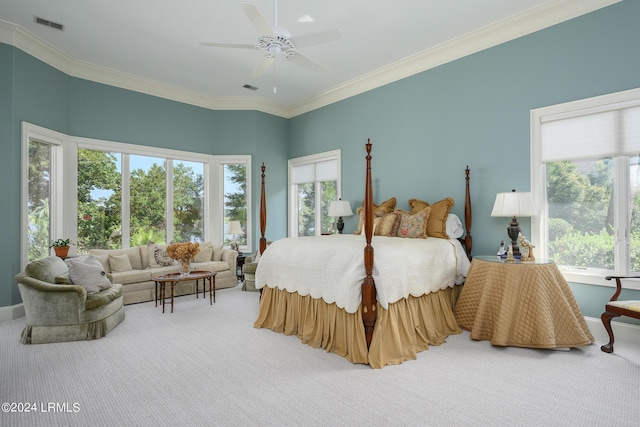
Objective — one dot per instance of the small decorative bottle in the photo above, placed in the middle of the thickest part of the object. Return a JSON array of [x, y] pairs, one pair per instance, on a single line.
[[502, 251]]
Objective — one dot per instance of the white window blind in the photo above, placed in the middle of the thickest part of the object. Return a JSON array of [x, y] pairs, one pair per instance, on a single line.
[[608, 131], [314, 172]]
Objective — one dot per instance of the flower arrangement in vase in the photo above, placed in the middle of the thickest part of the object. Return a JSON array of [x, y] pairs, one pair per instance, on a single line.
[[183, 252]]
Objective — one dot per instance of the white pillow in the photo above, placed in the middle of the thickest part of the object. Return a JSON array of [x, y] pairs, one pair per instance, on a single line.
[[88, 273], [454, 226]]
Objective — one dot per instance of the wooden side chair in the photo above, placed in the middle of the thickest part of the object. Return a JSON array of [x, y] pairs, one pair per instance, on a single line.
[[615, 308]]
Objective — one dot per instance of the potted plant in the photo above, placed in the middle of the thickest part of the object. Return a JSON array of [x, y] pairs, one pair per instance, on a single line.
[[61, 247]]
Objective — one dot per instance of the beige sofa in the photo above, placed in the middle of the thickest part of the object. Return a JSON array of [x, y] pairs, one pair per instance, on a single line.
[[137, 275]]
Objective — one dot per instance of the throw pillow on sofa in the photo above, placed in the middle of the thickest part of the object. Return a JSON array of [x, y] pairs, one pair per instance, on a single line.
[[88, 273], [205, 254], [46, 269], [158, 256], [119, 263]]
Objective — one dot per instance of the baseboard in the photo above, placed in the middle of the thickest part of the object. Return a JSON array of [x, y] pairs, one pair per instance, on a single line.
[[11, 312], [621, 330]]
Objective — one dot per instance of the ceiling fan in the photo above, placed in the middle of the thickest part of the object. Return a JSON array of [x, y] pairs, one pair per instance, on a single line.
[[278, 41]]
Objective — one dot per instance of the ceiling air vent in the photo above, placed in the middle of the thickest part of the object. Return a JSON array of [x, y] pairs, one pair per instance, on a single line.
[[248, 86], [48, 23]]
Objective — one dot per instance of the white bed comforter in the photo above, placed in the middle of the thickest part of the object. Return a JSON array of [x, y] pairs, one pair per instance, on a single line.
[[332, 267]]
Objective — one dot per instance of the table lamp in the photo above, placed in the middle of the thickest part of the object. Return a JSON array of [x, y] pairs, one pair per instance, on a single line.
[[234, 229], [513, 205], [340, 208]]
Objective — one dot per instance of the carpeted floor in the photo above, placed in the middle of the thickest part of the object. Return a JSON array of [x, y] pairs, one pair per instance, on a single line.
[[207, 365]]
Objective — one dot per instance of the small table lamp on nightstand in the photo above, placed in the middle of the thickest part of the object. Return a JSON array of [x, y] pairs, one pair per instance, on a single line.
[[340, 208], [513, 205]]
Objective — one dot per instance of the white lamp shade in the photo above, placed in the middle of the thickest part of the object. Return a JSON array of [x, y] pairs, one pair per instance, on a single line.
[[340, 208], [234, 228], [513, 204]]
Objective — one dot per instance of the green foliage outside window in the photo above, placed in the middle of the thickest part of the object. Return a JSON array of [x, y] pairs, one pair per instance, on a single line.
[[581, 209]]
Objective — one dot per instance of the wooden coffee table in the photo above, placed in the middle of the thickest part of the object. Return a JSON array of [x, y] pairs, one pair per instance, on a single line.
[[173, 278]]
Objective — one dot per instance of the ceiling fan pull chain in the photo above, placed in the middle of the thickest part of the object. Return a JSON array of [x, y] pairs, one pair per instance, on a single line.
[[275, 13]]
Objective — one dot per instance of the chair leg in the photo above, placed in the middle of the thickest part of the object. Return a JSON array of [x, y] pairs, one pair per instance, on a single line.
[[606, 321]]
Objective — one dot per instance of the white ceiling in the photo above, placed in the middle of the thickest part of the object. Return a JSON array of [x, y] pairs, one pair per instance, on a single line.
[[153, 45]]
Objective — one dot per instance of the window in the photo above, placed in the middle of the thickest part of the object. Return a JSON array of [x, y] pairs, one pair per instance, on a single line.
[[585, 174], [41, 185], [235, 201], [313, 181], [119, 195]]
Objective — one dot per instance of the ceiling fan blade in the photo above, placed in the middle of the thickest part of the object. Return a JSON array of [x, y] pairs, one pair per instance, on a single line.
[[262, 66], [301, 60], [316, 38], [234, 45], [257, 19]]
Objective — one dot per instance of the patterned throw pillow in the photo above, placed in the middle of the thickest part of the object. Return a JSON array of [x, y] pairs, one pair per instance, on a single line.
[[158, 256], [413, 225], [437, 223]]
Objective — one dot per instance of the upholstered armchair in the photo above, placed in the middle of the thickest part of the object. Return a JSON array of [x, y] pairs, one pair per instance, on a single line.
[[249, 272], [64, 311]]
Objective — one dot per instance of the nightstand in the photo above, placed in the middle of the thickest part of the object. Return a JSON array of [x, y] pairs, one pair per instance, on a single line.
[[239, 264], [521, 304]]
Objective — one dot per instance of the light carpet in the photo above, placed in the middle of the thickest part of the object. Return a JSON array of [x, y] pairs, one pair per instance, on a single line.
[[207, 365]]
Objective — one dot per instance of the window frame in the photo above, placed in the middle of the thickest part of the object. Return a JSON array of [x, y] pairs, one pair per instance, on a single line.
[[64, 208], [538, 188], [293, 199]]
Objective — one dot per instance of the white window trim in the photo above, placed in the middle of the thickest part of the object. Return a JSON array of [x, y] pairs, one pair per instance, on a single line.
[[218, 194], [538, 184], [293, 199], [64, 190]]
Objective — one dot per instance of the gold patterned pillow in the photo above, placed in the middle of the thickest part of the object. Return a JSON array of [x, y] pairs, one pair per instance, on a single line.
[[413, 225], [387, 225], [437, 223], [382, 209]]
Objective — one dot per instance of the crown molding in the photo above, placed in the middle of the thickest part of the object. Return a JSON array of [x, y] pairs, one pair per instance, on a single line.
[[533, 20], [546, 15]]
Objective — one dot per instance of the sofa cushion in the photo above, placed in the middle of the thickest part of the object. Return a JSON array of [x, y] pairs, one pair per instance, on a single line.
[[88, 273], [217, 252], [213, 266], [119, 263], [133, 254], [46, 269], [132, 276], [206, 252], [103, 297]]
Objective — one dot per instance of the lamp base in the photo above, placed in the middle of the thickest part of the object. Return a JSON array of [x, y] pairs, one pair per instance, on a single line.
[[513, 230], [340, 225]]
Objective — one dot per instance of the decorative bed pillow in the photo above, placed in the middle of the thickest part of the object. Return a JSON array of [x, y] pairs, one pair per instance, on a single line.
[[382, 209], [454, 226], [413, 225], [437, 223], [118, 263], [88, 273], [386, 225]]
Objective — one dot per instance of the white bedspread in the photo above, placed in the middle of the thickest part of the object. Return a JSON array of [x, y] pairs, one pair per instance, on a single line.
[[332, 267]]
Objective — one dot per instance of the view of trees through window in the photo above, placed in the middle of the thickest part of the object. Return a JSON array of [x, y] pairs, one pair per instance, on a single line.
[[100, 200], [581, 213], [235, 200], [39, 177], [307, 202]]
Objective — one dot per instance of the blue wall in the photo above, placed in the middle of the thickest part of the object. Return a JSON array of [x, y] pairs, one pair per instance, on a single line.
[[475, 111], [425, 128]]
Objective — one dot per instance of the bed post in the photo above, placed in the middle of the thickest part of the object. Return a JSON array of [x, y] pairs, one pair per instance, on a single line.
[[467, 215], [263, 214], [368, 286]]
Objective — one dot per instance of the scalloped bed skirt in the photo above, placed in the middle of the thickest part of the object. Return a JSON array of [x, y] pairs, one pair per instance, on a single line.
[[406, 328]]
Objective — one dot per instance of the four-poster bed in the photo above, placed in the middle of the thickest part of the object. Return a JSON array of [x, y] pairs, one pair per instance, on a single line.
[[381, 311]]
